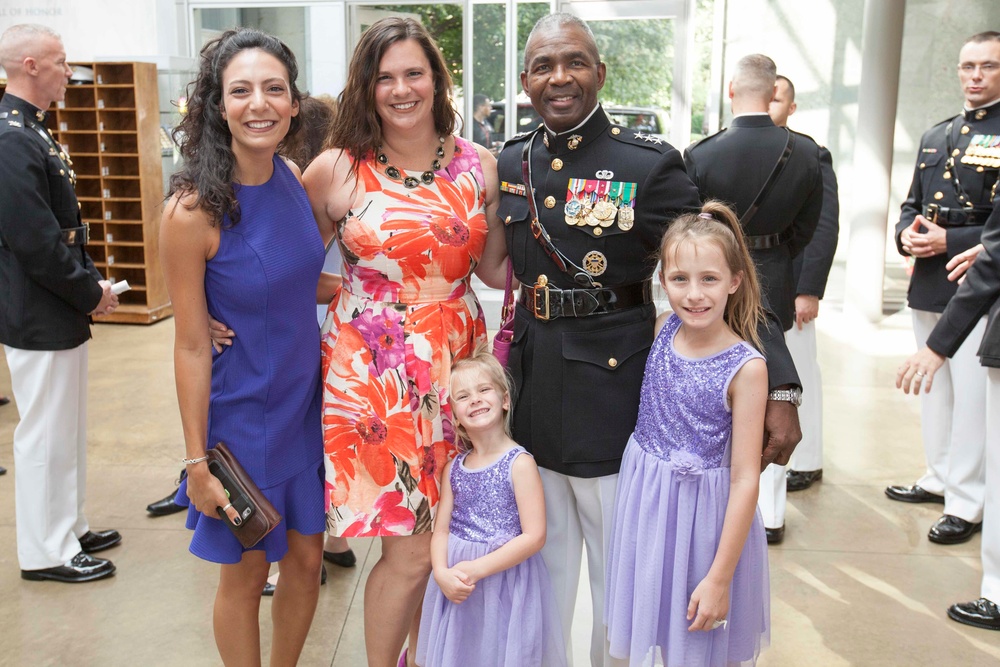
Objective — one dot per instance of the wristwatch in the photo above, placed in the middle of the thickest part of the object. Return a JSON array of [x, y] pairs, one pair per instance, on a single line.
[[793, 395]]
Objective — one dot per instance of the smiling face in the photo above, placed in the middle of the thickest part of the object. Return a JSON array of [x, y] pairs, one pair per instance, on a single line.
[[404, 87], [979, 72], [478, 404], [562, 75], [698, 282], [257, 101]]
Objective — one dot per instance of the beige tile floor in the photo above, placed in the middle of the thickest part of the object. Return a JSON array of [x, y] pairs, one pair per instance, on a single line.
[[855, 583]]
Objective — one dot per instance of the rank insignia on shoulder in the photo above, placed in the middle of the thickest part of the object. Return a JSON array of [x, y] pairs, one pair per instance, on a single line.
[[648, 137], [14, 123], [513, 188]]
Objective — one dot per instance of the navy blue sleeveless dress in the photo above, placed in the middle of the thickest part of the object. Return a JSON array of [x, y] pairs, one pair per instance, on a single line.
[[266, 397]]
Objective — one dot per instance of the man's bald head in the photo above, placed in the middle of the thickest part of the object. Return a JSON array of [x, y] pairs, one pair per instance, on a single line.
[[27, 40]]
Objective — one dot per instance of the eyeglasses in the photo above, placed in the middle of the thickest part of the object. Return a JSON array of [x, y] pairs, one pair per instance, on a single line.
[[985, 68]]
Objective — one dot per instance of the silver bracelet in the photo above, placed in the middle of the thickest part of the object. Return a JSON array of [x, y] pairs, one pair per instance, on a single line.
[[190, 462]]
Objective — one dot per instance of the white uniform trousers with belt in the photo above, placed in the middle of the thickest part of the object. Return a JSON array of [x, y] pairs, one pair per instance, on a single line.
[[991, 514], [578, 512], [953, 424], [808, 454], [50, 453]]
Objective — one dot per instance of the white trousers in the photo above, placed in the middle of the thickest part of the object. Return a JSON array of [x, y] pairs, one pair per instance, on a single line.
[[578, 512], [953, 424], [991, 514], [50, 453], [808, 455]]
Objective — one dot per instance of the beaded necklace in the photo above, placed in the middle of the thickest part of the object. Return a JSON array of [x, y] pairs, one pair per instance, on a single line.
[[411, 182]]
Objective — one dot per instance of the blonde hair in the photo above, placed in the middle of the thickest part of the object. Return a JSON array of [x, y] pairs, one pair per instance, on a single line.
[[718, 224], [482, 360]]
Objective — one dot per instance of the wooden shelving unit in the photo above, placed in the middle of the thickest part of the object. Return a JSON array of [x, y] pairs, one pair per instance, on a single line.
[[111, 130]]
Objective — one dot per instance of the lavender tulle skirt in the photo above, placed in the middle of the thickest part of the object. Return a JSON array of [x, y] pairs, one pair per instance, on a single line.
[[510, 620], [664, 538]]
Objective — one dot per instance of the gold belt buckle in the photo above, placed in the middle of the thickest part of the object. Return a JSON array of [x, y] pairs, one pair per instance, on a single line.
[[541, 286], [933, 210]]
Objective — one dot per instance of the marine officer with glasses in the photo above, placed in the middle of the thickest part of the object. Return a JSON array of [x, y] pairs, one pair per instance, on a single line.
[[951, 195]]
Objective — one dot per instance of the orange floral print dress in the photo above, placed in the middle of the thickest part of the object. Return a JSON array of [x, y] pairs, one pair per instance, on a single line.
[[405, 312]]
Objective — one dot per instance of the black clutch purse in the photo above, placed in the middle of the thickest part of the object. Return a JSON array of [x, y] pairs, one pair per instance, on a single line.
[[257, 516]]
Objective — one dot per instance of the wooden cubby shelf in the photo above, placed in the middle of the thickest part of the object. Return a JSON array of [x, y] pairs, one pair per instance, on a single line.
[[111, 131]]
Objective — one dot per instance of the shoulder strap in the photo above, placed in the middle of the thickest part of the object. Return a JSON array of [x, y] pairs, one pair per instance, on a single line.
[[779, 166], [565, 264]]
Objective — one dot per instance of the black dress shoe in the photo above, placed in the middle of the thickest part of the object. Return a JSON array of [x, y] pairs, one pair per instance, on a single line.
[[4, 400], [92, 542], [269, 587], [165, 506], [775, 535], [798, 480], [83, 567], [3, 471], [342, 558], [953, 530], [912, 494], [980, 613]]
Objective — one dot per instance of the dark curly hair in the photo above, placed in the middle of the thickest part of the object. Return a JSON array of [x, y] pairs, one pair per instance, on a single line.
[[203, 135], [358, 129]]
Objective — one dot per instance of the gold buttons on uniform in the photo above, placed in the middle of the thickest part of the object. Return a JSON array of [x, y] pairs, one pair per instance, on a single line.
[[938, 195], [550, 202], [612, 362], [598, 231], [616, 131], [923, 164], [965, 129], [62, 172], [946, 175], [979, 169], [14, 112], [507, 220], [956, 152], [557, 164]]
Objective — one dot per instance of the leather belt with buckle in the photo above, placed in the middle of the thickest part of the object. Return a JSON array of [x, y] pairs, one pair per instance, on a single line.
[[767, 241], [956, 217], [547, 302], [73, 236]]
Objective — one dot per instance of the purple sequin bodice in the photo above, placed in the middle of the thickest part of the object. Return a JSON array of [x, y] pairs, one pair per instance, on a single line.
[[684, 417], [485, 508]]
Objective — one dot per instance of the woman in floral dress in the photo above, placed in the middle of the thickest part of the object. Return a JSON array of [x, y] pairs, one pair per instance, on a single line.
[[411, 206]]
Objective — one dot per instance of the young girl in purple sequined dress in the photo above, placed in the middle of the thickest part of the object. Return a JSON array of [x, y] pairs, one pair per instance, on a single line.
[[687, 581], [489, 602]]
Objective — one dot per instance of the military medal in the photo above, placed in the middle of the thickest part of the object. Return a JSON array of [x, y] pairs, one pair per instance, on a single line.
[[574, 142], [572, 211], [595, 263], [626, 217], [983, 151]]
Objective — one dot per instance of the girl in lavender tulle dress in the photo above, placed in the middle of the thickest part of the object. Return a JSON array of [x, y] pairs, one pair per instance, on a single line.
[[687, 581], [489, 602]]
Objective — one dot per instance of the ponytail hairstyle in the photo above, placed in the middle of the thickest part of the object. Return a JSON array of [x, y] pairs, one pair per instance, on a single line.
[[483, 360], [718, 224]]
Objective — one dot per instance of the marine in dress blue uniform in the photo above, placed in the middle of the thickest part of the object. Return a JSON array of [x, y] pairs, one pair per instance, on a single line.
[[950, 198]]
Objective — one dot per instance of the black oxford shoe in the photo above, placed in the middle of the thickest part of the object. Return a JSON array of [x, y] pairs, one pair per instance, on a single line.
[[980, 613], [92, 542], [953, 530], [912, 494], [341, 558], [82, 568], [3, 471], [4, 400], [799, 480], [775, 535], [165, 506]]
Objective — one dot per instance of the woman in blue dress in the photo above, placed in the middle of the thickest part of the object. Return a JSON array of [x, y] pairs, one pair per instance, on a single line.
[[239, 243]]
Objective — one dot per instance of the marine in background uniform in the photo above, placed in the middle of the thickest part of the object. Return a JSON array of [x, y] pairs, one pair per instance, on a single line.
[[950, 199], [49, 287], [734, 165]]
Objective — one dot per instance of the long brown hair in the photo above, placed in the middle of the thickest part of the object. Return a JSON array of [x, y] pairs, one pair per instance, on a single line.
[[359, 128], [717, 223]]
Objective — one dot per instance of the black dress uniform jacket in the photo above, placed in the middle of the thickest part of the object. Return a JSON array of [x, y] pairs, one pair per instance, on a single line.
[[48, 288], [934, 183], [975, 297], [811, 267], [577, 379], [733, 165]]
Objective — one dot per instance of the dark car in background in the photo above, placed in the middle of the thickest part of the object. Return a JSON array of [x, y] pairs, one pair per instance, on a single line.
[[642, 119]]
